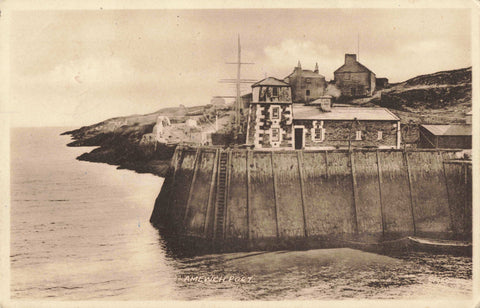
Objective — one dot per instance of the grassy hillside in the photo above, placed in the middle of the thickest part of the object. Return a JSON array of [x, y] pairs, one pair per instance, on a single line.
[[442, 97], [439, 98], [120, 140]]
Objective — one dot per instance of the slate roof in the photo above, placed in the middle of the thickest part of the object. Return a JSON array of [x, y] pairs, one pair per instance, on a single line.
[[353, 67], [449, 130], [307, 74], [320, 99], [304, 112], [271, 81]]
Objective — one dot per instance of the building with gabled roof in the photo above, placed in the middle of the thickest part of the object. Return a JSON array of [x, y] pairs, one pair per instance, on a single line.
[[354, 79], [306, 85], [270, 114]]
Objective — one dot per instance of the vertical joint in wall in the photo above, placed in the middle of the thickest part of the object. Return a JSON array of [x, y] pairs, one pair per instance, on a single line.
[[410, 188], [248, 205], [354, 189], [211, 194], [275, 190], [302, 193], [380, 181], [450, 211], [196, 163]]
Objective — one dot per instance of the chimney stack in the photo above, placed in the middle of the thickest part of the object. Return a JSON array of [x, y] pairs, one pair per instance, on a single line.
[[350, 58], [298, 68], [316, 68]]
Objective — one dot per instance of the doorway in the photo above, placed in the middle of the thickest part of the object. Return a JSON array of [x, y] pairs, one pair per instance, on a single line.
[[298, 138]]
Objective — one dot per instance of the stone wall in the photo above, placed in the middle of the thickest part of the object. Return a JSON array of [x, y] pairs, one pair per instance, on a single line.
[[323, 196], [362, 82], [337, 133]]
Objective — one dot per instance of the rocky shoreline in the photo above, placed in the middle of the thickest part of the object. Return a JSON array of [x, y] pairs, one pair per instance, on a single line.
[[122, 147]]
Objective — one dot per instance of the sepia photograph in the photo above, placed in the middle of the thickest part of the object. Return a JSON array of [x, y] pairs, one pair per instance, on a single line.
[[245, 154]]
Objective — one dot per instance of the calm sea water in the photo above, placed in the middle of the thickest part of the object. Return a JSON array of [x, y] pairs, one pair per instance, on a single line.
[[80, 231]]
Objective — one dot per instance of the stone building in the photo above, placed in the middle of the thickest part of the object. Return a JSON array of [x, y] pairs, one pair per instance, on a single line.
[[354, 79], [270, 115], [306, 85], [320, 127], [275, 122]]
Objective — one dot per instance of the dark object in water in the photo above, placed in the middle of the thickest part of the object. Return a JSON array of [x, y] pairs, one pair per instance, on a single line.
[[444, 246]]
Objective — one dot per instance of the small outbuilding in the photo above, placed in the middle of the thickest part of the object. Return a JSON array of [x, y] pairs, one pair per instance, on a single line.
[[445, 136]]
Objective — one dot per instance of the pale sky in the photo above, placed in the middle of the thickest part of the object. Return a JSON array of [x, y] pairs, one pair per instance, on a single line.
[[71, 68]]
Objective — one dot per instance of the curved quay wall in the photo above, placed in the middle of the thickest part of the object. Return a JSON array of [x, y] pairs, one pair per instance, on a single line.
[[239, 199]]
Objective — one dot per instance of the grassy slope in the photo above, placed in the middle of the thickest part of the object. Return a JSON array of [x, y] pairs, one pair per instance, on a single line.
[[119, 139], [441, 97], [438, 98]]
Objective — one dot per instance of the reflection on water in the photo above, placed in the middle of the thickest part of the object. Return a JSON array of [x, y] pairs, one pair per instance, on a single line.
[[80, 231]]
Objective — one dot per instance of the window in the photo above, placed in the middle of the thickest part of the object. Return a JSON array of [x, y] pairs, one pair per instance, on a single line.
[[307, 80], [263, 94], [276, 113], [358, 135], [318, 132], [380, 135], [308, 92], [347, 76], [275, 134], [275, 91]]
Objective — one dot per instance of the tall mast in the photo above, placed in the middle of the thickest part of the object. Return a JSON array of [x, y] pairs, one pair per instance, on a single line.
[[358, 46], [237, 81], [238, 105]]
